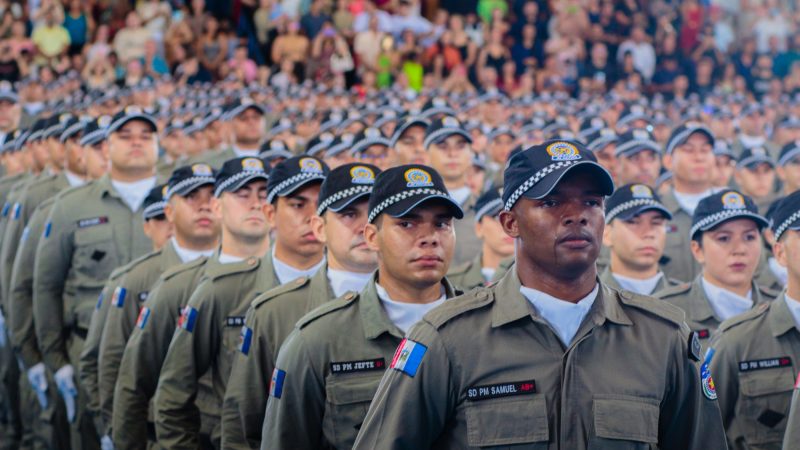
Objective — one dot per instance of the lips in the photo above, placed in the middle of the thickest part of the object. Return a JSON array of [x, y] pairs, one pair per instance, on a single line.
[[576, 240], [428, 261]]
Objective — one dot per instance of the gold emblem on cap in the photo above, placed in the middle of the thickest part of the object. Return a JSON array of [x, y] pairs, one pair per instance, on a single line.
[[202, 170], [563, 151], [417, 177], [733, 200], [253, 164], [641, 191], [450, 122], [310, 165], [130, 110], [164, 191], [103, 121], [362, 175]]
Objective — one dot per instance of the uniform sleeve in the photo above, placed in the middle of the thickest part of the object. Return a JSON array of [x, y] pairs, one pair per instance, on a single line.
[[410, 411], [139, 369], [792, 436], [726, 379], [246, 394], [53, 263], [193, 346], [296, 404], [689, 416], [8, 250]]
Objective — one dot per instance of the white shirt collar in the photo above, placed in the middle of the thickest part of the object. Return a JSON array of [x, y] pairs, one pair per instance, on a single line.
[[780, 272], [725, 303], [229, 259], [564, 317], [241, 152], [133, 193], [688, 202], [287, 273], [73, 179], [460, 195], [342, 281], [794, 308], [644, 287], [402, 314], [186, 254], [488, 274]]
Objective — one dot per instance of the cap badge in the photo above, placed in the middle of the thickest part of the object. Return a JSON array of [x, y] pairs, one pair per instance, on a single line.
[[417, 178], [733, 200], [202, 170], [362, 175], [164, 191], [103, 121], [641, 135], [372, 133], [131, 110], [641, 191], [253, 164], [563, 151], [450, 122], [310, 165]]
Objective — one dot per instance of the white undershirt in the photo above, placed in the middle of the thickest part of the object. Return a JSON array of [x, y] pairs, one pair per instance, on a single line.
[[287, 273], [794, 308], [186, 254], [725, 303], [752, 141], [488, 273], [644, 287], [780, 272], [342, 281], [229, 259], [403, 314], [241, 152], [133, 193], [73, 179], [460, 195], [564, 317], [688, 202]]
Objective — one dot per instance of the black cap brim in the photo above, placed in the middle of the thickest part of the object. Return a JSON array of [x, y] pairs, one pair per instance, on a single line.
[[238, 184], [444, 133], [551, 180], [760, 220], [242, 108], [633, 212], [753, 162], [347, 201], [406, 205], [185, 188], [141, 117], [289, 189]]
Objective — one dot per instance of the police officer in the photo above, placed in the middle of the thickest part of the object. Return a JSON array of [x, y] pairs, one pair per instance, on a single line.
[[635, 232], [91, 231], [755, 176], [195, 233], [497, 246], [543, 357], [788, 169], [408, 140], [370, 146], [638, 157], [246, 118], [324, 376], [754, 356], [339, 224], [212, 320]]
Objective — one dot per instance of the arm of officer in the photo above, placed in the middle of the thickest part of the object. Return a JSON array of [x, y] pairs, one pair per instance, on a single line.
[[247, 391], [296, 404], [52, 266], [689, 416], [792, 436], [88, 367], [414, 400], [8, 249], [725, 371], [195, 342]]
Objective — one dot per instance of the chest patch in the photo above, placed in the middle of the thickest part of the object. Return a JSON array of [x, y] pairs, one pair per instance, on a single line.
[[366, 365], [93, 221], [499, 390], [763, 364]]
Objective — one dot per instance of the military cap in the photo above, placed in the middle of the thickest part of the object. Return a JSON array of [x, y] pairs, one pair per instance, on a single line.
[[536, 171], [368, 137], [407, 123], [95, 131], [319, 143], [284, 124], [240, 105], [437, 105], [790, 122], [14, 141], [786, 215], [722, 148], [176, 124], [722, 207], [590, 125], [274, 149], [601, 138], [400, 189], [55, 125], [186, 179], [37, 129], [502, 130], [633, 199], [154, 202], [488, 204], [635, 141], [492, 95], [751, 157], [7, 92], [73, 127], [346, 184], [237, 172], [789, 153], [128, 114], [632, 113], [442, 128], [331, 119], [293, 173], [681, 134], [387, 116], [752, 109], [193, 126], [352, 117], [340, 144]]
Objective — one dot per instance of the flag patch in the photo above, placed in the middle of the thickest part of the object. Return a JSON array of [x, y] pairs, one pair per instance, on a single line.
[[118, 299], [408, 357], [188, 319], [245, 339], [6, 207], [25, 232], [99, 301], [47, 228], [17, 210], [276, 385], [144, 314]]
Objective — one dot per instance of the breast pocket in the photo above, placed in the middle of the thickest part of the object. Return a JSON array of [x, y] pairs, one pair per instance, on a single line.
[[764, 405], [348, 399], [503, 423], [623, 422], [95, 255]]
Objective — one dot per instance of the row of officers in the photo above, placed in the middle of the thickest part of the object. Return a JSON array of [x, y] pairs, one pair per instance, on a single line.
[[299, 307]]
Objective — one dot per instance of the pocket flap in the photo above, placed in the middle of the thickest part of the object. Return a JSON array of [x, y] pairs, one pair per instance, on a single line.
[[507, 421], [347, 389], [92, 235], [626, 417], [767, 382]]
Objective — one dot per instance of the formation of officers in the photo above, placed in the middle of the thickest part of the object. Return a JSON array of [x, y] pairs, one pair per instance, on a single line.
[[240, 268]]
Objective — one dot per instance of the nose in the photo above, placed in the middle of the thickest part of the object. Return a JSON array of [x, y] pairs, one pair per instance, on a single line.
[[574, 212]]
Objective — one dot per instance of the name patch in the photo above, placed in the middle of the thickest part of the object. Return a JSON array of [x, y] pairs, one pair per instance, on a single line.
[[366, 365], [86, 223], [762, 364], [501, 390], [234, 321]]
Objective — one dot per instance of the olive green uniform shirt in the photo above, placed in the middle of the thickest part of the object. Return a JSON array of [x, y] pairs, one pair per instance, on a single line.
[[792, 436], [11, 210], [607, 278], [467, 243], [332, 364], [271, 318], [678, 262], [493, 373], [468, 275], [754, 361], [207, 340], [214, 159]]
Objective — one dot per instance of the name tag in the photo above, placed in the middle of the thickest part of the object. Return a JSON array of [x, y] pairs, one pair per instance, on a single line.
[[234, 321], [366, 365], [501, 390], [94, 221], [762, 364]]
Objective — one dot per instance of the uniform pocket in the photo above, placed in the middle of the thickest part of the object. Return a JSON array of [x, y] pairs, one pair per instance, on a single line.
[[624, 422], [499, 423], [765, 400], [348, 399], [95, 255]]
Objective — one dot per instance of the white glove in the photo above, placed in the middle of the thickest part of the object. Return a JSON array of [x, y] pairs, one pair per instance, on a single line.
[[106, 443], [38, 380], [66, 385], [2, 330]]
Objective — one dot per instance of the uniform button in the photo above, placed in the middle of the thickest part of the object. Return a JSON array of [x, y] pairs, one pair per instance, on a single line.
[[349, 296], [300, 281], [251, 260]]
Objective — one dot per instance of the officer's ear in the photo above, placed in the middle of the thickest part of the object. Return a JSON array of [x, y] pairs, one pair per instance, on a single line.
[[666, 161], [779, 250], [270, 211], [216, 207], [510, 223], [697, 250], [318, 228], [781, 173], [607, 235], [479, 229], [737, 177], [371, 234]]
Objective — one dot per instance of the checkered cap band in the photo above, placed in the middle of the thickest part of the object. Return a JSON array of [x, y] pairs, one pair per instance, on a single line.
[[400, 197], [531, 182], [346, 193]]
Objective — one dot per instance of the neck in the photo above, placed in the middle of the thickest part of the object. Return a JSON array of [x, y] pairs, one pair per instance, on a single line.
[[793, 288], [247, 248], [490, 259], [130, 176], [619, 267], [246, 145], [740, 290], [196, 244], [407, 293], [455, 183], [570, 286], [294, 259], [684, 187]]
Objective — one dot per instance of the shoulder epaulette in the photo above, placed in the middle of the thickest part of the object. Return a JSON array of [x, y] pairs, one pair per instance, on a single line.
[[181, 268], [744, 317], [342, 302], [674, 290], [771, 294], [120, 271], [223, 270], [280, 290], [647, 303], [454, 307], [144, 258]]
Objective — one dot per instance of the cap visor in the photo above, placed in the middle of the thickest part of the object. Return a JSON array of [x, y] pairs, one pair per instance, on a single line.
[[452, 132], [601, 177], [757, 218], [293, 187], [144, 118], [633, 212], [404, 207], [345, 202], [239, 184], [185, 190]]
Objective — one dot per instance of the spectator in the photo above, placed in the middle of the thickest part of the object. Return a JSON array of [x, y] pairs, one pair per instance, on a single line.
[[154, 65], [367, 45], [264, 20], [243, 67], [343, 19], [597, 74], [79, 25], [9, 66], [129, 41], [212, 47], [494, 54], [98, 73], [524, 52], [191, 71], [313, 21], [642, 52], [691, 22], [155, 15], [291, 45], [772, 22], [100, 47], [785, 60], [19, 40], [51, 39]]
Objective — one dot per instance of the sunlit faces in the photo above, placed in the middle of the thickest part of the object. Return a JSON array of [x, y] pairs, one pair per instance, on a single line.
[[133, 147], [290, 218], [500, 147], [342, 232], [641, 167], [789, 173], [757, 180], [74, 160], [725, 166], [248, 128], [243, 212], [95, 158], [380, 155], [409, 147], [692, 163], [193, 217], [729, 253], [451, 157], [638, 242], [490, 231], [158, 230]]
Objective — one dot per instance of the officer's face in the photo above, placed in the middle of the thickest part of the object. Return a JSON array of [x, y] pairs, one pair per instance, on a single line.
[[159, 231], [74, 157], [756, 181], [133, 147], [9, 115], [730, 253], [248, 127], [693, 162], [56, 152], [41, 154], [561, 233], [338, 159], [290, 218], [490, 231], [641, 167], [409, 147], [789, 174], [243, 212], [637, 243], [96, 160], [415, 249], [342, 232], [451, 157], [380, 155], [605, 156], [725, 166], [787, 252], [192, 216], [500, 147]]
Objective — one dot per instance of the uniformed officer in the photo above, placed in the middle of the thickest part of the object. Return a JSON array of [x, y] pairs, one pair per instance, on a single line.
[[324, 376], [690, 157], [754, 356], [726, 242], [91, 231], [497, 246], [212, 320], [339, 224], [638, 158], [755, 177], [635, 232], [543, 358], [408, 140], [188, 199], [788, 169], [449, 146], [246, 118]]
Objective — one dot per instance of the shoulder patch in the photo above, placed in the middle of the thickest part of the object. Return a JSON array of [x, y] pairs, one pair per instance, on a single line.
[[672, 291], [181, 268], [663, 310], [454, 307], [280, 290], [224, 270], [327, 308], [734, 321]]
